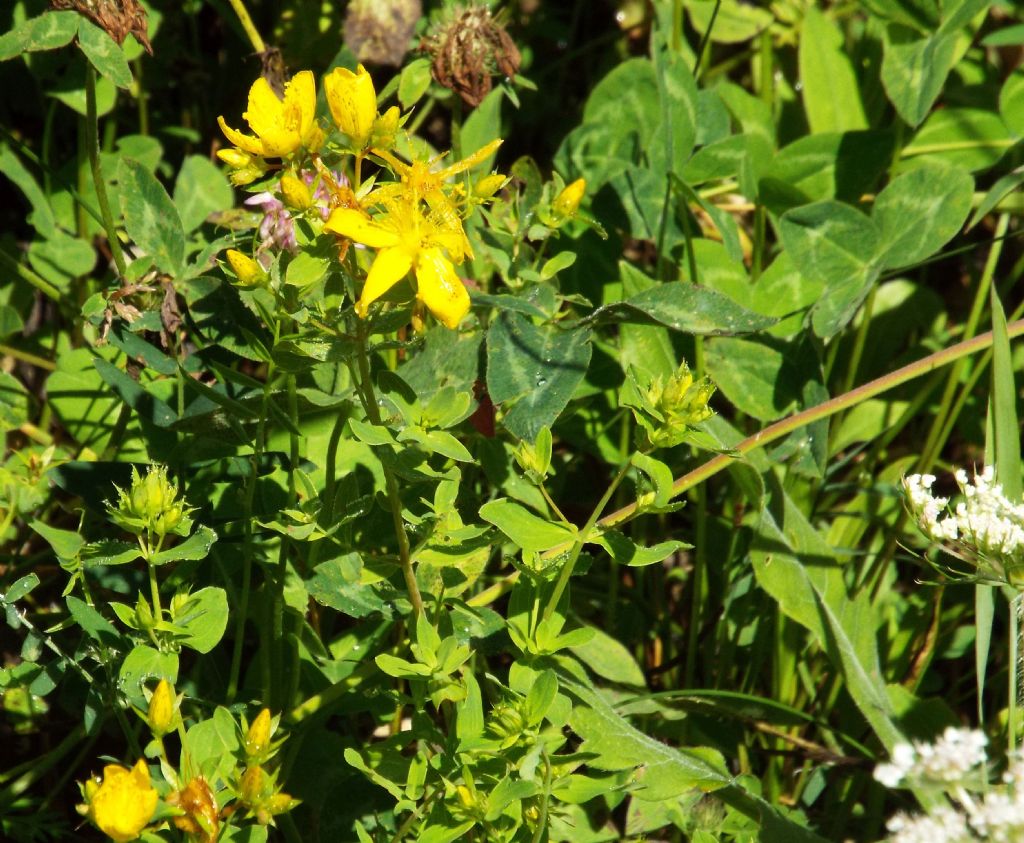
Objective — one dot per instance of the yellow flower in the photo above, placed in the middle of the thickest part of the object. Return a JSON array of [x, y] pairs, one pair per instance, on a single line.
[[408, 240], [161, 709], [249, 272], [420, 181], [281, 126], [123, 803], [353, 103], [568, 201]]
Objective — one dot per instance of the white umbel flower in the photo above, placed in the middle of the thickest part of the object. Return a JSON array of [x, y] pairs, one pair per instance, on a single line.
[[947, 761], [941, 826]]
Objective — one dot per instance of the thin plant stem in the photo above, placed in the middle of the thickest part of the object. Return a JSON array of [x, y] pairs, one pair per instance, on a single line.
[[92, 140], [1016, 611], [582, 539], [30, 277], [27, 357], [250, 28], [369, 399]]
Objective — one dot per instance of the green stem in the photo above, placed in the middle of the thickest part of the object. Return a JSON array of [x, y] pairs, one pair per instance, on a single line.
[[250, 28], [369, 400], [26, 357], [92, 139], [30, 277], [1016, 611], [582, 539]]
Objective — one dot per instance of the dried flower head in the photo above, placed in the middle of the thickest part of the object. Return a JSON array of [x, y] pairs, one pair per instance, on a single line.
[[378, 31], [118, 18], [468, 50]]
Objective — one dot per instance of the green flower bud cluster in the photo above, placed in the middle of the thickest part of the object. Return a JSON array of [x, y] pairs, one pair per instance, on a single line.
[[666, 410], [151, 505], [535, 459]]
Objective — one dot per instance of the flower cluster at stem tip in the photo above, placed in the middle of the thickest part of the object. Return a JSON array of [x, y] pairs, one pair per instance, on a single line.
[[122, 802], [413, 221], [957, 764], [984, 528]]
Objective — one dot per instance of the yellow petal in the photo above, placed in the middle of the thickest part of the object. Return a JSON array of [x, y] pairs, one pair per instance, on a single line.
[[247, 143], [268, 118], [356, 226], [471, 160], [300, 94], [568, 201], [389, 267], [440, 287]]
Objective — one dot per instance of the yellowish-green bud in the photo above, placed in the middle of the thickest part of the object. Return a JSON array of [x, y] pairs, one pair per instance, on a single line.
[[257, 739], [144, 615], [251, 789], [279, 803], [161, 709], [487, 186], [248, 271], [245, 168], [568, 201], [385, 128], [296, 193]]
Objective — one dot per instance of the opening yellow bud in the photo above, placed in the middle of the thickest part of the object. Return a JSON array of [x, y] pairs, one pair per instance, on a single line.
[[161, 709], [568, 201], [353, 103], [257, 739], [486, 187]]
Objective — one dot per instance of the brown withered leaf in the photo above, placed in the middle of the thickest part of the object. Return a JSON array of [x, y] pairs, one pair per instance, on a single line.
[[118, 18]]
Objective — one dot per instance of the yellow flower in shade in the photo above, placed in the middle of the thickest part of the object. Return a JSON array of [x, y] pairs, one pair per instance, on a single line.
[[407, 240], [353, 103], [123, 803], [296, 193], [281, 126], [201, 818], [568, 201]]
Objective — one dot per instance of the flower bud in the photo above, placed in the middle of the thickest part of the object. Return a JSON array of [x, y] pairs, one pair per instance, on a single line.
[[251, 787], [161, 709], [385, 128], [487, 186], [257, 739], [353, 103], [245, 168], [296, 193], [248, 271], [568, 201], [144, 615]]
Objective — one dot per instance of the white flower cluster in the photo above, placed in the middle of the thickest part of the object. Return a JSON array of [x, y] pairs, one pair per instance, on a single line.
[[985, 523], [997, 816], [942, 826], [947, 761]]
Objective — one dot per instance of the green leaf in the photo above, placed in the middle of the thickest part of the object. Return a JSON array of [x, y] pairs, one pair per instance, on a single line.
[[507, 791], [110, 552], [482, 127], [684, 307], [200, 190], [196, 547], [662, 771], [832, 242], [336, 584], [1003, 405], [530, 532], [19, 588], [413, 82], [915, 69], [46, 32], [971, 138], [608, 658], [306, 269], [41, 218], [761, 378], [212, 744], [797, 567], [540, 697], [555, 264], [400, 668], [67, 544], [995, 194], [104, 53], [15, 404], [142, 666], [831, 97], [10, 320], [204, 620], [920, 211], [150, 217], [536, 367], [733, 23], [624, 551], [92, 623], [145, 405]]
